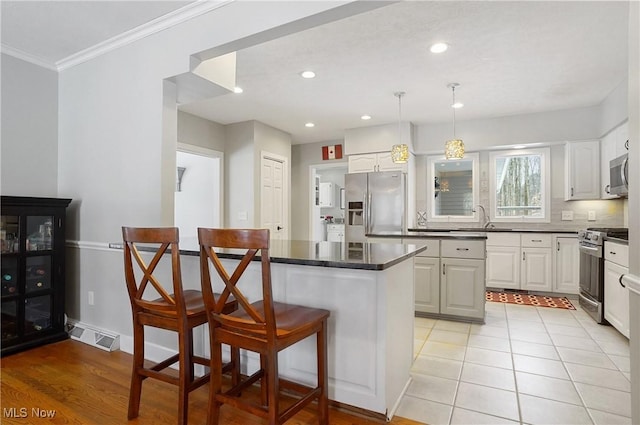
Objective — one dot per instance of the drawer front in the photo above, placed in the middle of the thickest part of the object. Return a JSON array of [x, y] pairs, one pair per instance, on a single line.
[[536, 240], [617, 253], [503, 239], [433, 246], [462, 249], [335, 227]]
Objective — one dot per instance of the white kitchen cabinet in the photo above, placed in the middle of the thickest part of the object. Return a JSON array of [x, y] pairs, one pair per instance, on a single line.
[[503, 260], [616, 296], [462, 279], [369, 162], [335, 232], [427, 276], [327, 194], [427, 284], [536, 269], [566, 265], [503, 267], [462, 289], [581, 160]]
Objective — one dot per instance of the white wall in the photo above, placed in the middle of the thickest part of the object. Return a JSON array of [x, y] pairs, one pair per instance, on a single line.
[[29, 150], [197, 203], [544, 127], [197, 131]]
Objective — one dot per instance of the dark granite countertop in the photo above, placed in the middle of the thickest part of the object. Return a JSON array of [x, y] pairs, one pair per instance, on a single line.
[[354, 255], [414, 234], [494, 229]]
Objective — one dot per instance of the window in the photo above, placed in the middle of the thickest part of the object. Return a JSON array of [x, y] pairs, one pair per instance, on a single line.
[[520, 185], [452, 188]]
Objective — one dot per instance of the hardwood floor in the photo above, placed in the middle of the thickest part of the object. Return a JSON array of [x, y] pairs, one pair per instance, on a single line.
[[80, 384]]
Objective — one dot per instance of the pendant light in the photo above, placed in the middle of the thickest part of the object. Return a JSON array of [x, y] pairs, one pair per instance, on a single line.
[[400, 152], [454, 148]]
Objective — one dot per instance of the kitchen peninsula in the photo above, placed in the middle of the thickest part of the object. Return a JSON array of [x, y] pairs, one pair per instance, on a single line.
[[368, 288]]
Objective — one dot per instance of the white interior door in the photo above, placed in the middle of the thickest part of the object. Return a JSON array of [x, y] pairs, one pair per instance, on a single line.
[[274, 196]]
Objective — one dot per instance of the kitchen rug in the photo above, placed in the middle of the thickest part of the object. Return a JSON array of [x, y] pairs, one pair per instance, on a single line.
[[526, 299]]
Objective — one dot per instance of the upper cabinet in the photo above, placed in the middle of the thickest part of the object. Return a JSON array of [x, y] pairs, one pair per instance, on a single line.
[[613, 145], [452, 188], [582, 181], [369, 162]]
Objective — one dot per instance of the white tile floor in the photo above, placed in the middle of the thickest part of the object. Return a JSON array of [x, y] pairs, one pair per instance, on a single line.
[[525, 365]]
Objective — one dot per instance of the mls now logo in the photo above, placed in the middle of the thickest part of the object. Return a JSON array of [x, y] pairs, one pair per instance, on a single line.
[[23, 412]]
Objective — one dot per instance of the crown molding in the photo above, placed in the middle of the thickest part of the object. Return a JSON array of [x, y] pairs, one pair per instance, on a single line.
[[169, 20], [178, 16], [27, 57]]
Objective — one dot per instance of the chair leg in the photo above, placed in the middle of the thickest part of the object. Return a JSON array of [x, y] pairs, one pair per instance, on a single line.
[[264, 385], [323, 375], [138, 363], [273, 387], [215, 382], [186, 373], [235, 362]]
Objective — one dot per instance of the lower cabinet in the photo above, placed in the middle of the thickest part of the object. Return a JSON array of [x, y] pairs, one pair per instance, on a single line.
[[503, 267], [616, 296], [427, 284], [567, 265], [461, 291], [536, 269], [450, 278]]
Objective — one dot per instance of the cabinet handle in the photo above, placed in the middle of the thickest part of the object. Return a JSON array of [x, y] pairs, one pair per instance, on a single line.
[[462, 249], [443, 268], [620, 281], [571, 192], [536, 240], [612, 253], [607, 189], [523, 256], [558, 245]]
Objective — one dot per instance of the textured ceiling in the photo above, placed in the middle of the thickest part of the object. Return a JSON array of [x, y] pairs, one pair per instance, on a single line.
[[509, 57]]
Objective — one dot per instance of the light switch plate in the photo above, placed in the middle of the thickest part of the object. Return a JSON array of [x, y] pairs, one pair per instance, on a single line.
[[567, 215], [592, 216]]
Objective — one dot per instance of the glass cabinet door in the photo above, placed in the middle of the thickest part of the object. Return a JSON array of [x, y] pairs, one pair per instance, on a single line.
[[9, 234], [39, 233], [37, 314]]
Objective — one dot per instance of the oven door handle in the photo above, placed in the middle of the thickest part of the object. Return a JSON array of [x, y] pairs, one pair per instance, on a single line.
[[588, 301], [590, 250]]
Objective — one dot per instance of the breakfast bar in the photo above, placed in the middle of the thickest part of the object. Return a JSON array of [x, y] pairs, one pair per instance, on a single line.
[[369, 290]]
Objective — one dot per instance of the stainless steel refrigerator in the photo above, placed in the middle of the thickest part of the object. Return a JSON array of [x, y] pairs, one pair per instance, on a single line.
[[376, 204]]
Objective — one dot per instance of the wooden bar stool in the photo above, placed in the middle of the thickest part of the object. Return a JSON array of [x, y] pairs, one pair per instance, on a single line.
[[180, 311], [265, 327]]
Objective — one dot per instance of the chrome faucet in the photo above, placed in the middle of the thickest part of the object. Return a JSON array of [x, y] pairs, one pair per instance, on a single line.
[[485, 222]]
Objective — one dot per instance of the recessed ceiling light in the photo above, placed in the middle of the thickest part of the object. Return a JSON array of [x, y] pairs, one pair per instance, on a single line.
[[365, 117], [308, 74], [309, 124], [438, 47], [237, 89], [457, 105]]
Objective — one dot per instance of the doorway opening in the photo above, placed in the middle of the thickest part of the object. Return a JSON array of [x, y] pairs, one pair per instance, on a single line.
[[198, 195], [319, 174]]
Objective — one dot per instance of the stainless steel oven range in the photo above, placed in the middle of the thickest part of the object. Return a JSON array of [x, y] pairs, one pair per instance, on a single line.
[[591, 245]]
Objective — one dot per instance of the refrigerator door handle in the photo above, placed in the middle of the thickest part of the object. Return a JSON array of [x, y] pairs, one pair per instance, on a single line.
[[369, 205]]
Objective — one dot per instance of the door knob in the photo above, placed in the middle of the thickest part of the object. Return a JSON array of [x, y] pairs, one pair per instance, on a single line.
[[279, 228]]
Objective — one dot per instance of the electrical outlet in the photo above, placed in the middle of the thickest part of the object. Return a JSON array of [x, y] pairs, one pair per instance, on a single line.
[[592, 216], [567, 215], [90, 298]]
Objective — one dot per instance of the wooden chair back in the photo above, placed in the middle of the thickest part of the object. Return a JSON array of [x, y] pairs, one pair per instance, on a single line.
[[168, 298], [251, 242]]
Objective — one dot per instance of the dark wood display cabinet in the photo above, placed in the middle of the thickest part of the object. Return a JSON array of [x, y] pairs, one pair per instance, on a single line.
[[32, 237]]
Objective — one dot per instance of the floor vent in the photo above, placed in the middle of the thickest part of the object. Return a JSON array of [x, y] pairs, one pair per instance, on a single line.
[[94, 337]]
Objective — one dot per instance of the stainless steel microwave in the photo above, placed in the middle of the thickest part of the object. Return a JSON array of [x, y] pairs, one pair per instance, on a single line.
[[619, 175]]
